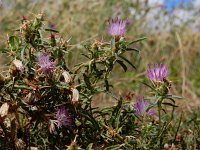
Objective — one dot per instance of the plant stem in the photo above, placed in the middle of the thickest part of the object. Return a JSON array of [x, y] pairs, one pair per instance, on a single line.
[[159, 113]]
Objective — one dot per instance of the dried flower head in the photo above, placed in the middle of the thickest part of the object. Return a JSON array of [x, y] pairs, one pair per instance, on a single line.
[[63, 117], [4, 110], [31, 97], [75, 95], [7, 122], [166, 146], [157, 72], [46, 65], [18, 65], [67, 76], [117, 27], [34, 148], [52, 126], [141, 107], [20, 144]]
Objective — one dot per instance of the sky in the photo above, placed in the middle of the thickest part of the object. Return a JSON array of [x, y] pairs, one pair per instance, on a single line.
[[153, 2], [182, 16]]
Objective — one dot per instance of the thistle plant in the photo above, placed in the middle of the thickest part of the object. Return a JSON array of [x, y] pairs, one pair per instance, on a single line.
[[39, 99], [47, 105]]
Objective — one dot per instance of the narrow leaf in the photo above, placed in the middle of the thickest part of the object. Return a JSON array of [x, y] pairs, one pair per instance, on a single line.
[[127, 61], [169, 104], [138, 40], [51, 30], [122, 65], [89, 147], [113, 147], [14, 42], [132, 49]]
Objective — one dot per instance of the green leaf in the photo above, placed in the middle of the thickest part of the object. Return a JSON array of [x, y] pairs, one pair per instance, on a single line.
[[127, 61], [107, 85], [22, 51], [128, 146], [169, 104], [148, 86], [175, 96], [87, 81], [51, 30], [171, 99], [106, 110], [116, 114], [14, 42], [113, 147], [133, 49], [113, 43], [90, 118], [89, 147], [138, 40], [122, 65], [85, 55], [4, 50]]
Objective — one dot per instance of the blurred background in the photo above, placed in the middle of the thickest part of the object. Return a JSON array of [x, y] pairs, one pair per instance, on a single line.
[[171, 27]]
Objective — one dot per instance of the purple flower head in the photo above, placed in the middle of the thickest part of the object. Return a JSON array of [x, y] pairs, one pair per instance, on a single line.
[[157, 72], [46, 65], [141, 107], [63, 117], [117, 27]]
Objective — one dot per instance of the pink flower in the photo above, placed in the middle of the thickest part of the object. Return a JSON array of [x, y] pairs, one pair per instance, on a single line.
[[117, 27], [46, 65], [63, 117], [157, 72], [141, 107]]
